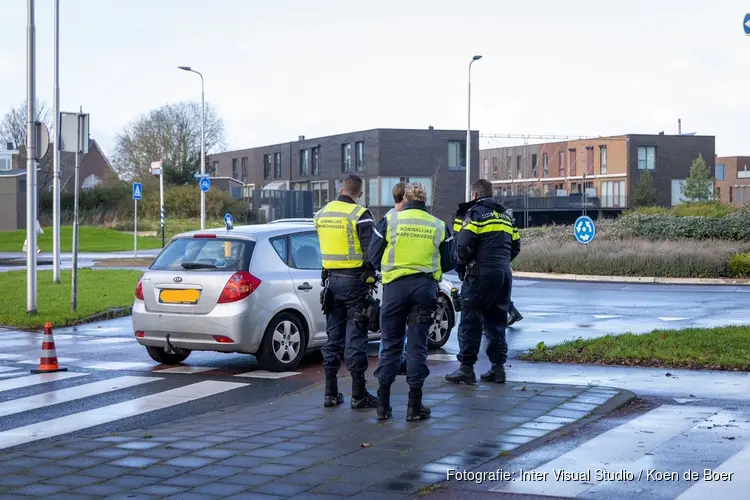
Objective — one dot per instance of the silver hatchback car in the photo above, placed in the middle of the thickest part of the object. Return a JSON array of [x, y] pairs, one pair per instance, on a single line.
[[254, 290]]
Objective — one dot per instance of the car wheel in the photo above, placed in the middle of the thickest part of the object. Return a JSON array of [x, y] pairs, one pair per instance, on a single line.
[[160, 356], [283, 345], [440, 330]]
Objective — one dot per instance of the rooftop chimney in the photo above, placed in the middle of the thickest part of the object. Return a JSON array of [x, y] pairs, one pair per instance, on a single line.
[[661, 133], [302, 138], [430, 128], [679, 126]]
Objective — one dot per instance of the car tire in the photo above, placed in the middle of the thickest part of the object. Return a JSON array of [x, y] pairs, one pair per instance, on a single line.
[[440, 331], [285, 331], [160, 356]]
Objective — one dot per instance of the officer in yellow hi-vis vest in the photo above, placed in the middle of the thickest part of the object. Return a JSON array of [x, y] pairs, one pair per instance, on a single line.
[[486, 245], [344, 230], [413, 249]]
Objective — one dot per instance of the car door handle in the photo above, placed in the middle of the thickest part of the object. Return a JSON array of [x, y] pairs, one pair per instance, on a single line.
[[305, 286]]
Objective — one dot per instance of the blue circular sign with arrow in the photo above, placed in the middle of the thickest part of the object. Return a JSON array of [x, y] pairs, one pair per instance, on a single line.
[[228, 220], [584, 229]]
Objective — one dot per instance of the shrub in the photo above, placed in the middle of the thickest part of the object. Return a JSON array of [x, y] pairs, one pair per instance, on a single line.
[[735, 226], [712, 209], [739, 265], [635, 257]]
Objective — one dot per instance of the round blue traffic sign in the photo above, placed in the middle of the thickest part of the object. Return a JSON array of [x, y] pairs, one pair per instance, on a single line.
[[228, 220], [205, 184], [584, 229]]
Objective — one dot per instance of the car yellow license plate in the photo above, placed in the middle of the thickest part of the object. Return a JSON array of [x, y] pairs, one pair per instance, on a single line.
[[179, 296]]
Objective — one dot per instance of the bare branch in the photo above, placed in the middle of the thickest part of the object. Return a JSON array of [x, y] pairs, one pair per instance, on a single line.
[[14, 123]]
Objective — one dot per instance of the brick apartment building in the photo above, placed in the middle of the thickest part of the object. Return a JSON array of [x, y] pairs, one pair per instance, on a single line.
[[382, 157], [732, 179], [603, 168]]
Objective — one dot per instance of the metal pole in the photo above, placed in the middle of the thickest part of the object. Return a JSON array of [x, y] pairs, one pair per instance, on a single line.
[[161, 197], [56, 152], [468, 142], [31, 295], [74, 280], [203, 154], [135, 229]]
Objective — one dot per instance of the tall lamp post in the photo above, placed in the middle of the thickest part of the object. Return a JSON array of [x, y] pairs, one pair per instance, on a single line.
[[468, 137], [203, 142]]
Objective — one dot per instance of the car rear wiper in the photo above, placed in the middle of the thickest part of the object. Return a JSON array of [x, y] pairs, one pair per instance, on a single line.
[[198, 265]]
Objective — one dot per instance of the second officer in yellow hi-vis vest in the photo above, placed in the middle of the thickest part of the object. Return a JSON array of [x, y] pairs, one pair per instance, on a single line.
[[413, 250], [344, 230]]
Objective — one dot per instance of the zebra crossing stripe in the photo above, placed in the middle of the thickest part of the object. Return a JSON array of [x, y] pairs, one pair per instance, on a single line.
[[112, 413], [613, 450], [43, 378], [729, 480]]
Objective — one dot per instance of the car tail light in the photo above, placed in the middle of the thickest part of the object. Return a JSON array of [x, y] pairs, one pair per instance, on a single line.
[[140, 334], [139, 289], [239, 286], [223, 340], [204, 236]]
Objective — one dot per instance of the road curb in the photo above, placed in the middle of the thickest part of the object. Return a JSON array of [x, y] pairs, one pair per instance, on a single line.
[[632, 279]]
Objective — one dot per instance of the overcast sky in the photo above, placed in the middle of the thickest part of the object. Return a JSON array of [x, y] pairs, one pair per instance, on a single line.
[[278, 69]]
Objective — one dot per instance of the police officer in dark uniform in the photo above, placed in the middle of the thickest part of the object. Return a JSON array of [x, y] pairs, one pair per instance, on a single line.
[[413, 248], [486, 245], [344, 230]]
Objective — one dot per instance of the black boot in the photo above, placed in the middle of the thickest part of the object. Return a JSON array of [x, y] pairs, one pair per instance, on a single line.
[[402, 369], [496, 374], [384, 403], [415, 410], [465, 374], [361, 399], [332, 395], [514, 316]]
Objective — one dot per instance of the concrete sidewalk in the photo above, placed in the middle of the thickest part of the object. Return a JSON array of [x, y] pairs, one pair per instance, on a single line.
[[294, 448]]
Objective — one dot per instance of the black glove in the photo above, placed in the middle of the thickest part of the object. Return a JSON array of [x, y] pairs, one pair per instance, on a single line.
[[461, 271], [368, 277]]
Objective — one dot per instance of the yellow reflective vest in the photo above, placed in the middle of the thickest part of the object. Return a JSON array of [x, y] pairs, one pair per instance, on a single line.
[[337, 231], [413, 238]]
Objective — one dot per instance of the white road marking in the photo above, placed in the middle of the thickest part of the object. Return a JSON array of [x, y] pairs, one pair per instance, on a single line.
[[737, 487], [268, 375], [71, 394], [186, 369], [112, 340], [613, 450], [4, 369], [112, 413], [441, 357], [605, 316], [682, 401], [42, 378], [36, 361], [11, 357], [12, 374], [539, 314], [670, 318], [118, 365]]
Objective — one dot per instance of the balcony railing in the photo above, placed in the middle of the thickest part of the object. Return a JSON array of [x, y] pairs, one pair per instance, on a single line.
[[570, 202]]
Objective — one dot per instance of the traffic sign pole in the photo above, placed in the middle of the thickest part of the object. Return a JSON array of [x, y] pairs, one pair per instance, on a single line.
[[161, 196]]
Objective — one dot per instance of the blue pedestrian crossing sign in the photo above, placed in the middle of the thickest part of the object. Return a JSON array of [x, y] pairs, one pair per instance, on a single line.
[[584, 229], [137, 191], [746, 24], [228, 221], [205, 184]]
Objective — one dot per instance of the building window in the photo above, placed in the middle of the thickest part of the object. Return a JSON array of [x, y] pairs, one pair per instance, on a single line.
[[545, 161], [589, 160], [495, 168], [456, 155], [717, 194], [518, 166], [508, 169], [266, 166], [234, 168], [277, 165], [320, 194], [743, 174], [244, 170], [562, 163], [316, 162], [613, 194], [388, 183], [301, 186], [346, 158], [91, 182], [603, 160], [215, 169], [720, 171], [486, 168], [371, 193], [427, 183], [533, 166], [646, 157], [359, 148], [303, 162], [573, 159]]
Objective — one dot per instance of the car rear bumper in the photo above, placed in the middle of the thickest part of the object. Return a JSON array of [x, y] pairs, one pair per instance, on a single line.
[[243, 322]]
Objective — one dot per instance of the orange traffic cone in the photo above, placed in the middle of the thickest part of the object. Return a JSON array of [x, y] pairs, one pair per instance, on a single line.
[[48, 360]]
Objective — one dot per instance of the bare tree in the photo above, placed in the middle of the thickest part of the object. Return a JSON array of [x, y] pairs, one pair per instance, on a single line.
[[13, 127], [172, 134]]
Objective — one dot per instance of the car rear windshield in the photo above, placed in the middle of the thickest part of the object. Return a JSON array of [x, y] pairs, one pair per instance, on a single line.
[[205, 254]]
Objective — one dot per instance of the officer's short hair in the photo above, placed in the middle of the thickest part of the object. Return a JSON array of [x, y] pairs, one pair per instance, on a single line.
[[352, 185], [415, 191], [398, 192], [482, 187]]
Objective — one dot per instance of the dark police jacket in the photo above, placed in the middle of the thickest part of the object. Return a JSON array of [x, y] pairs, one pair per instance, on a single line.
[[488, 236], [378, 244]]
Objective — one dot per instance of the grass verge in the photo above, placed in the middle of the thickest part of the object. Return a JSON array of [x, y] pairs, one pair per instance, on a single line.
[[722, 348], [90, 239], [107, 293]]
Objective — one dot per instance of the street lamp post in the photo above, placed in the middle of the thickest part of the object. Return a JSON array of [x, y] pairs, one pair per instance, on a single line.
[[468, 137], [203, 142]]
